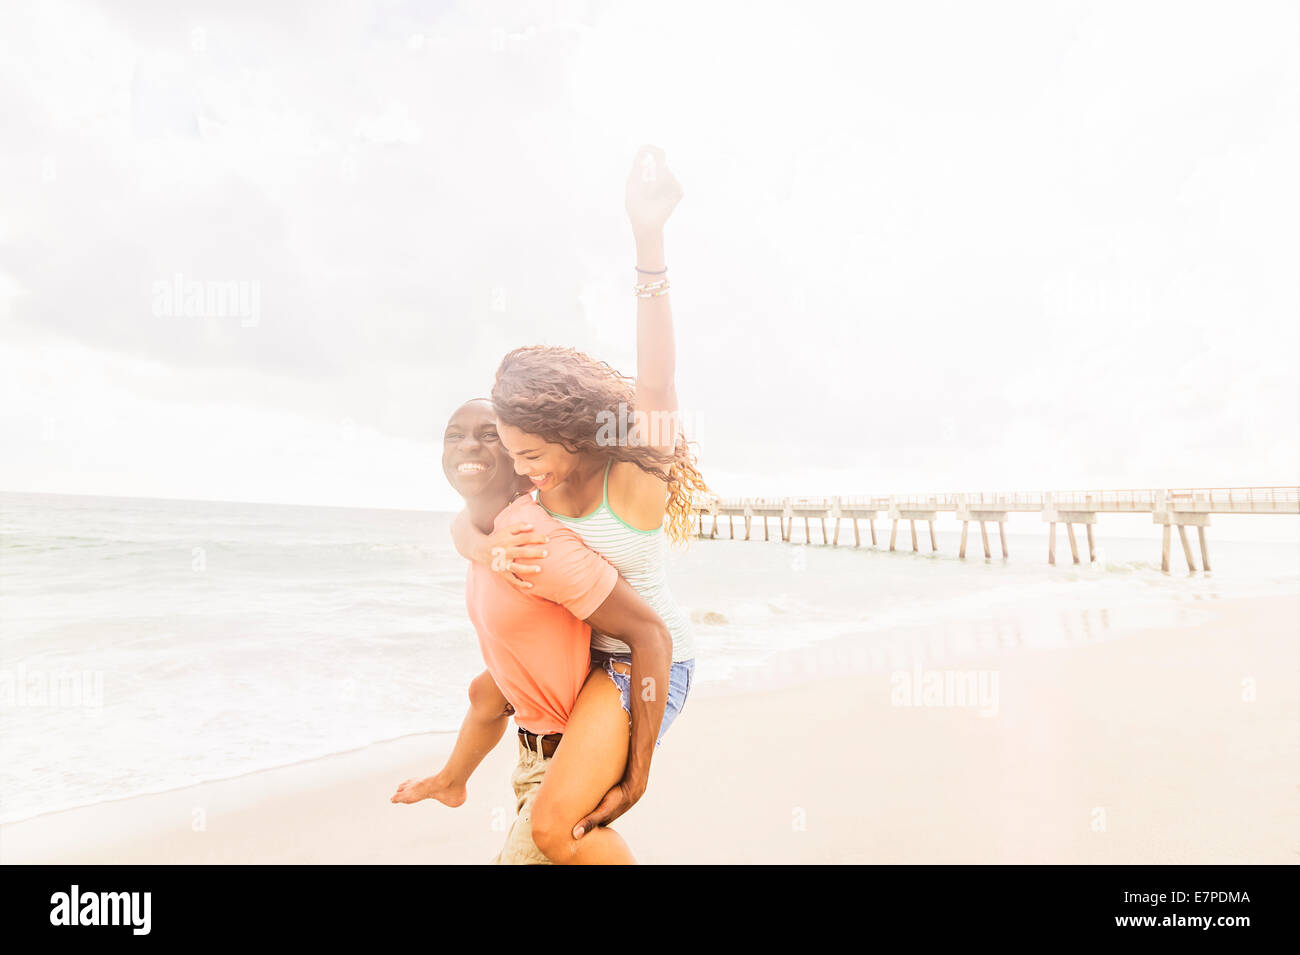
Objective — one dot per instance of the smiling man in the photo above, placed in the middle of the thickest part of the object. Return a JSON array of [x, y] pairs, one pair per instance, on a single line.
[[583, 760]]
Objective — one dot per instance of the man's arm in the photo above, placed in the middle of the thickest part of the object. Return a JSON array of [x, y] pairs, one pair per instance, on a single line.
[[626, 616]]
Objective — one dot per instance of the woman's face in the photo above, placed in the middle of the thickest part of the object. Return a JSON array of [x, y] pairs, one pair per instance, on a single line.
[[546, 465]]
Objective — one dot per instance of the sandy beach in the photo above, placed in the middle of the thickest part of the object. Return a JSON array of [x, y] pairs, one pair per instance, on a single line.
[[1177, 745]]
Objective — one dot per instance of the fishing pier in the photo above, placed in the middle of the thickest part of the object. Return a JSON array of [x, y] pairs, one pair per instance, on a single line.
[[1171, 508]]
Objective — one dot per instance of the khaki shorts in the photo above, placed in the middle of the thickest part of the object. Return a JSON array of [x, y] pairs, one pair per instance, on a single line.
[[526, 780]]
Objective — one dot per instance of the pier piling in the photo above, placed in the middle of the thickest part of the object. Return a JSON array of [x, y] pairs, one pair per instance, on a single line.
[[1187, 548], [1171, 509]]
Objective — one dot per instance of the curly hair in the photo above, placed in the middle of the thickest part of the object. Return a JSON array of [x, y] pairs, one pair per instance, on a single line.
[[563, 396]]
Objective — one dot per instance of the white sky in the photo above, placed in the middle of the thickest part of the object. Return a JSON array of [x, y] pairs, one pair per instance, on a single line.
[[924, 246]]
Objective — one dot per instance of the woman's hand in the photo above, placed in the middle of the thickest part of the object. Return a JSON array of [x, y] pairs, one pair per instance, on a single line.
[[652, 192], [504, 549]]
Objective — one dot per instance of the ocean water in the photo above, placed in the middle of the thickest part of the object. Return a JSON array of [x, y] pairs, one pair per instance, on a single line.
[[147, 645]]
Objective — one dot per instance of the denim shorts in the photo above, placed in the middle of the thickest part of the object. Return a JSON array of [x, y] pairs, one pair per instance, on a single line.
[[680, 676]]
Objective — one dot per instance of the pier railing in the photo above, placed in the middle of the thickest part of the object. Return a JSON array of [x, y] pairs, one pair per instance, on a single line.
[[1215, 500], [1237, 500]]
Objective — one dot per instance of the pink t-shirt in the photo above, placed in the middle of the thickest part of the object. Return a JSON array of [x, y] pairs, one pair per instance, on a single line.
[[535, 644]]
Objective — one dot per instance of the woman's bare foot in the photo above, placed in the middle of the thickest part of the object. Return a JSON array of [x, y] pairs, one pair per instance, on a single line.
[[431, 787]]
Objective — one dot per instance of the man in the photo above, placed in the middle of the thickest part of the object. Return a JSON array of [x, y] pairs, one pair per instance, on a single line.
[[536, 644]]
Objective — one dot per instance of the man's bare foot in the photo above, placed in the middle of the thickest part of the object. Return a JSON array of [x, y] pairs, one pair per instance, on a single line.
[[431, 787]]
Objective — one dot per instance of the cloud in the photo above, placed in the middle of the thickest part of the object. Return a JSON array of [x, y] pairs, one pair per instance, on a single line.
[[921, 247]]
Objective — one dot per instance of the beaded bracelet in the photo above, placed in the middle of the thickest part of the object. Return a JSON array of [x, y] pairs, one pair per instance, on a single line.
[[649, 289]]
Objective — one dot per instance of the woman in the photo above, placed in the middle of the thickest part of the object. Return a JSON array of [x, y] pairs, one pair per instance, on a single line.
[[607, 459]]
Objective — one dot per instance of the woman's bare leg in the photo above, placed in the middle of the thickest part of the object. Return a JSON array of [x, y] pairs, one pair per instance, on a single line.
[[590, 760], [482, 729]]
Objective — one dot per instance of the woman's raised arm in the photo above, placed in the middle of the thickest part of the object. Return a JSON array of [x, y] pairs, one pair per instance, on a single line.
[[652, 194]]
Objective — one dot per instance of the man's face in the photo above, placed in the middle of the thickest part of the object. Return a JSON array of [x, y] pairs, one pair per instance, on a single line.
[[472, 456]]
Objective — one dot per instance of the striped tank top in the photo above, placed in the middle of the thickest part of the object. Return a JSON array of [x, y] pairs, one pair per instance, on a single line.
[[641, 558]]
